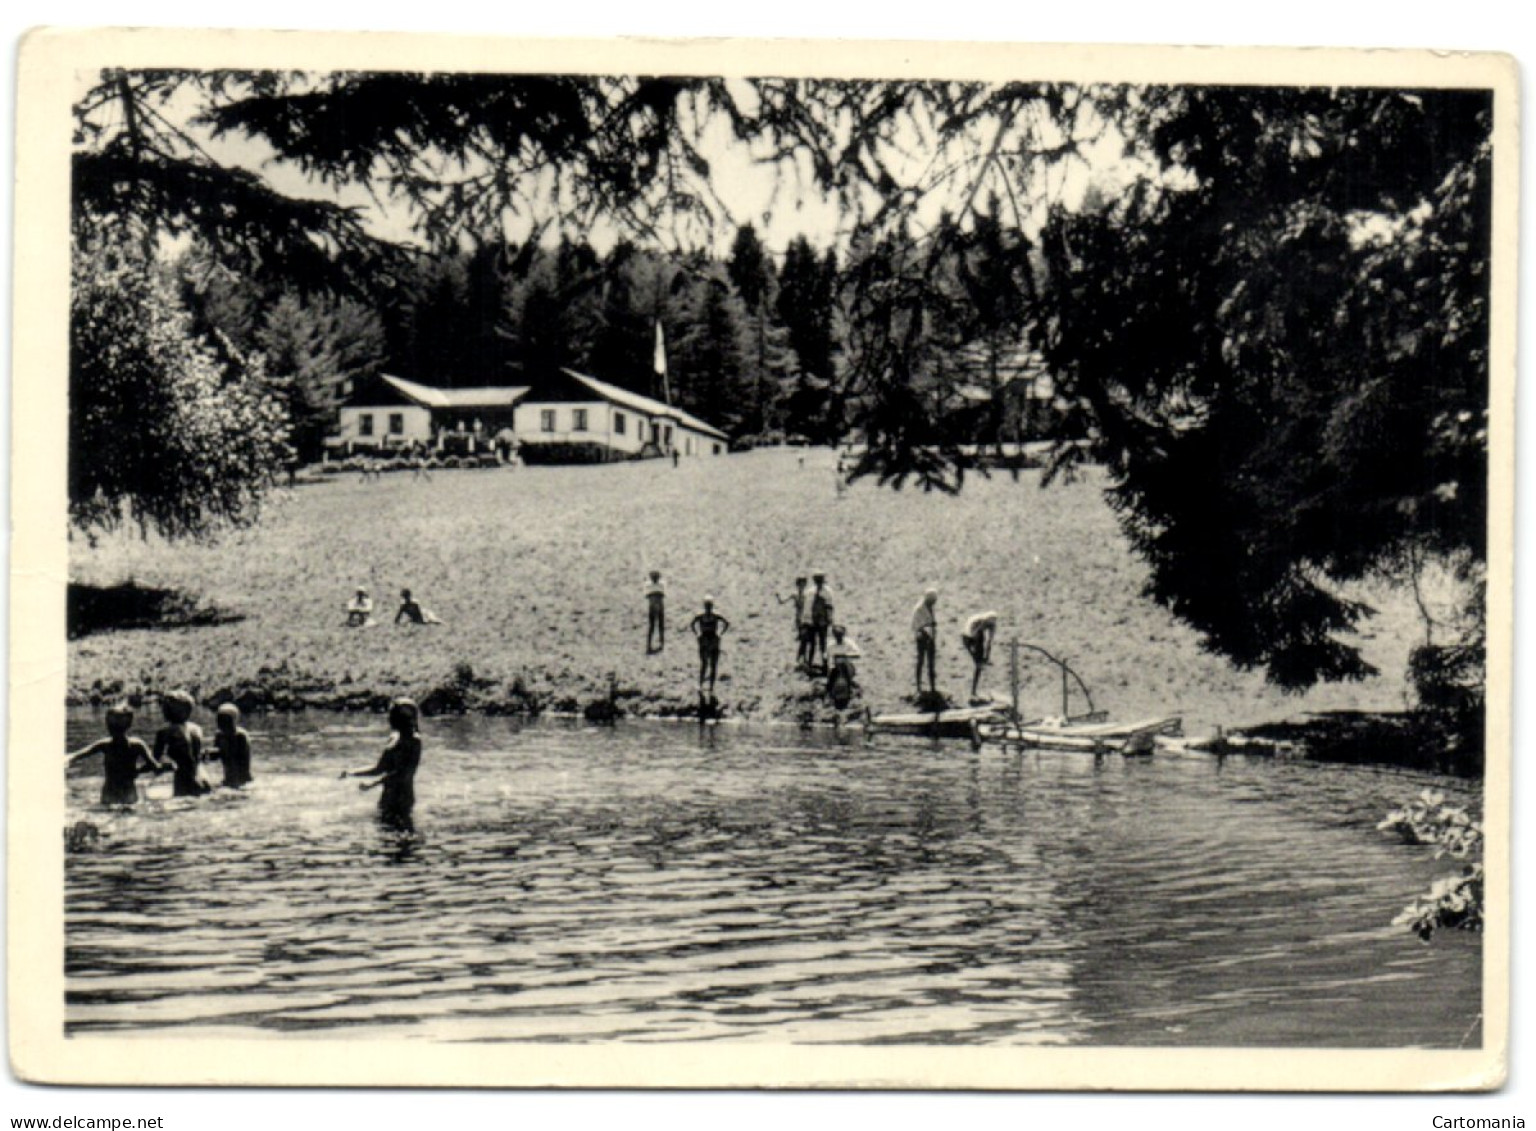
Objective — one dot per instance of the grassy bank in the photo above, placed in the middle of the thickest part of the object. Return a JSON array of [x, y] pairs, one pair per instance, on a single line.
[[538, 577]]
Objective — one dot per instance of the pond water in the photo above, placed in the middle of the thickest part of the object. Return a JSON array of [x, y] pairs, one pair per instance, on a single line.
[[661, 883]]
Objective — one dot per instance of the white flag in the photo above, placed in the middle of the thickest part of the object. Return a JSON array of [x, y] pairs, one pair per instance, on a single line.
[[660, 363]]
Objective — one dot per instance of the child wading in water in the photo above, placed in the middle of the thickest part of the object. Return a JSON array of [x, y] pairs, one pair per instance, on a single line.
[[181, 741], [232, 746], [396, 767], [125, 758], [709, 626], [656, 615]]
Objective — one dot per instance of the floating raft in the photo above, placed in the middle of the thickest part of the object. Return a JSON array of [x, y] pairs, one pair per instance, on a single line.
[[1138, 737], [958, 722]]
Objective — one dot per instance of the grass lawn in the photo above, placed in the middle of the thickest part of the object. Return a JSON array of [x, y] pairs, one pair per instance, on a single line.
[[538, 575]]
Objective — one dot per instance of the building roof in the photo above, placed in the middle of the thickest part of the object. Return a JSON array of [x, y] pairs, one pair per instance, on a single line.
[[430, 396], [477, 396], [637, 403]]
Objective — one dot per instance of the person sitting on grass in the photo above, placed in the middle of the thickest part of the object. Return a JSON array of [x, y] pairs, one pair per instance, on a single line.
[[181, 742], [125, 758], [709, 626], [411, 611], [977, 638], [656, 614], [360, 609], [396, 768], [840, 680], [925, 637], [232, 746], [804, 637]]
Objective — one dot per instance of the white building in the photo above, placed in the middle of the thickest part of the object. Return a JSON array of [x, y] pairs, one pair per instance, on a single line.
[[391, 412], [571, 408]]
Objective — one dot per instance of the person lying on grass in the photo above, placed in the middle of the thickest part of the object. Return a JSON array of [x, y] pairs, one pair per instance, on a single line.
[[396, 768], [360, 609], [411, 611], [232, 746], [709, 626], [977, 638], [125, 758], [181, 742]]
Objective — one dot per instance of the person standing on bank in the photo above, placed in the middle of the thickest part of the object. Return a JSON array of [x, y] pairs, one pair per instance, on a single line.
[[709, 626], [821, 617], [925, 627], [656, 614], [396, 767], [803, 635], [977, 638]]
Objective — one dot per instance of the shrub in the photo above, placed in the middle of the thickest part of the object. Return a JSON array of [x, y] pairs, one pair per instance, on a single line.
[[1454, 901], [566, 452]]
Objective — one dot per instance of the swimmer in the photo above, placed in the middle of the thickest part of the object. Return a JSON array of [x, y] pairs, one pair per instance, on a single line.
[[125, 758], [232, 746], [396, 767], [181, 742]]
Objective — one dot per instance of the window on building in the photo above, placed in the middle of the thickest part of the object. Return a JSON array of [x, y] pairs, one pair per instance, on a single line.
[[546, 420], [717, 450], [397, 424], [669, 435], [579, 420], [365, 424], [618, 423]]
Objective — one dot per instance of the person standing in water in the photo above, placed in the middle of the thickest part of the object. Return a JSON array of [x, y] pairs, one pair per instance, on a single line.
[[396, 768], [232, 746], [709, 626], [181, 742], [656, 614], [125, 758]]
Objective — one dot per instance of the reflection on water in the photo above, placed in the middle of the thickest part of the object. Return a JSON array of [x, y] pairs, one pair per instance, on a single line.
[[648, 883]]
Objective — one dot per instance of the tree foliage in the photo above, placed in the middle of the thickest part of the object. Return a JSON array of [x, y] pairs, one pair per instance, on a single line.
[[175, 432], [1258, 342]]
